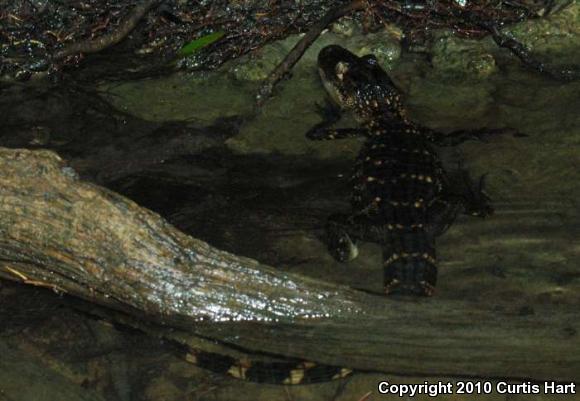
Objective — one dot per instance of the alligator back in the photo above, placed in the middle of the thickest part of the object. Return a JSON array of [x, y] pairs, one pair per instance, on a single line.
[[396, 177]]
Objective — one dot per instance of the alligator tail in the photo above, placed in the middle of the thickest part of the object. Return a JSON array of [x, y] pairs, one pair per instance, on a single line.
[[284, 372], [409, 264]]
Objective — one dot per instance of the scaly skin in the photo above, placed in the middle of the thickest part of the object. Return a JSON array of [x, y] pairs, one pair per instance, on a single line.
[[401, 197]]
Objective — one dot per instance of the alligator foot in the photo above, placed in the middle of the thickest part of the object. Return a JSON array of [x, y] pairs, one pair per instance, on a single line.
[[463, 196], [471, 194], [476, 201], [441, 215], [340, 245], [323, 131]]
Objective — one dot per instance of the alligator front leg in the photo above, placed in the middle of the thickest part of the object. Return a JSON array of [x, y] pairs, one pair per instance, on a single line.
[[320, 133], [457, 137], [441, 214], [324, 131]]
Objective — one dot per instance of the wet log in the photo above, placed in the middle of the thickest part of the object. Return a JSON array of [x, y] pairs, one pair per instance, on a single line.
[[77, 238]]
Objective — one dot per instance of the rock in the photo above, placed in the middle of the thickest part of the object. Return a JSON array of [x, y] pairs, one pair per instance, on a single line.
[[556, 37], [345, 27], [257, 66], [385, 45], [462, 58]]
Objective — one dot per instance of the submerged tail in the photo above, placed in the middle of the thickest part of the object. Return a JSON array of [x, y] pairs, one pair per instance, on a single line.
[[285, 372], [409, 264]]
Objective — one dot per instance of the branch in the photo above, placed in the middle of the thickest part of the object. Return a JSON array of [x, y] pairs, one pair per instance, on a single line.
[[303, 44], [521, 52], [101, 43]]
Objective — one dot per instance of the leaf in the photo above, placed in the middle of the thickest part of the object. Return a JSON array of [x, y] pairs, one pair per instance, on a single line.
[[199, 43]]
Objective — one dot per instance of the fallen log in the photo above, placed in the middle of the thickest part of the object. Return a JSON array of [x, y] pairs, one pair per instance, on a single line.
[[126, 256], [77, 238]]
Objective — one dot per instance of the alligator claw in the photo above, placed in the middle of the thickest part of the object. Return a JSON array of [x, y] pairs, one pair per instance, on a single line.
[[341, 247]]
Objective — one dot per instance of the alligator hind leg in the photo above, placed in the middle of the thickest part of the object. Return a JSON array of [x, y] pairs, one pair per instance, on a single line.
[[441, 214], [344, 231], [471, 194], [462, 195], [340, 244]]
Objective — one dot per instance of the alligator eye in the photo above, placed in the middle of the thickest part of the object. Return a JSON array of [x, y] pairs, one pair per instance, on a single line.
[[341, 69], [370, 59]]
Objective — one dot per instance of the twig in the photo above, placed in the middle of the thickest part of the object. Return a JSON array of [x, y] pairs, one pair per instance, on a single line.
[[521, 52], [366, 397], [105, 41], [298, 50]]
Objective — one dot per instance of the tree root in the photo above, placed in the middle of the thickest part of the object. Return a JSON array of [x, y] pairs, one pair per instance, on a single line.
[[101, 43]]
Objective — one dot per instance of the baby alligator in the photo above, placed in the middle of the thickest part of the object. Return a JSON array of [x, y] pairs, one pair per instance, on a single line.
[[401, 198], [401, 195]]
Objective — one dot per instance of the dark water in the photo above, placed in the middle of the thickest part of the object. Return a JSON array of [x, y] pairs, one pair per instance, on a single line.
[[256, 187]]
